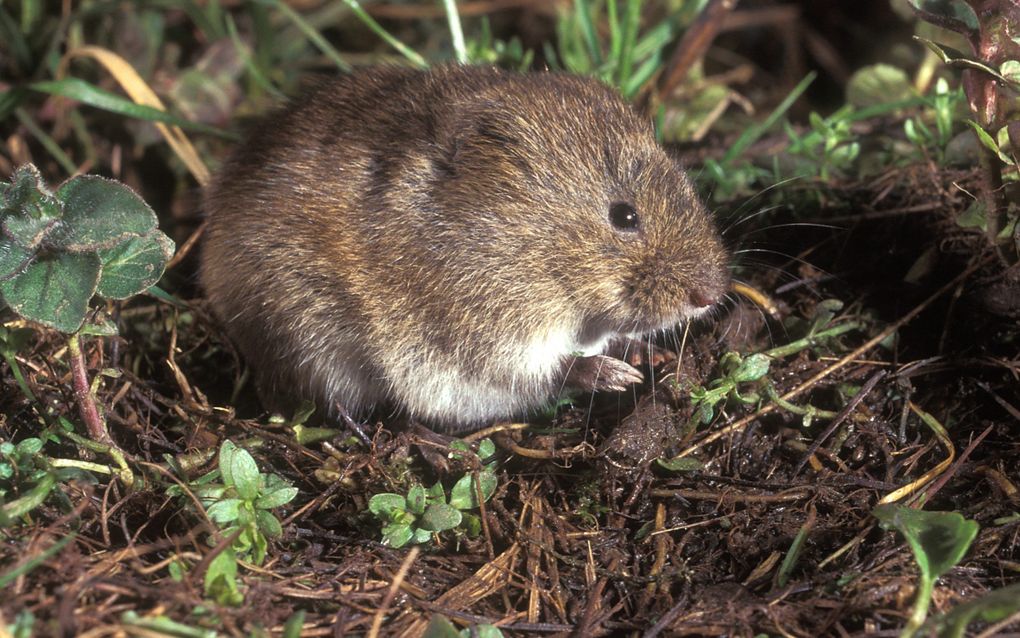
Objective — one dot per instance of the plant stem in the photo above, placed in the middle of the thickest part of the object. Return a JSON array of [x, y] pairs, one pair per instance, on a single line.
[[920, 609], [19, 378], [94, 422], [806, 342], [992, 193]]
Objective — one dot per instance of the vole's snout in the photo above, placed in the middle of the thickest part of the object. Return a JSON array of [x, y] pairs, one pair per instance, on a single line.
[[710, 290], [704, 298]]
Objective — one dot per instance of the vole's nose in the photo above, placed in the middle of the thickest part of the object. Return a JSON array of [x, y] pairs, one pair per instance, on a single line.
[[710, 291], [702, 298]]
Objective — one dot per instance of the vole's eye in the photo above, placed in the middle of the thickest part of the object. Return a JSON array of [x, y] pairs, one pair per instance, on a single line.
[[623, 216]]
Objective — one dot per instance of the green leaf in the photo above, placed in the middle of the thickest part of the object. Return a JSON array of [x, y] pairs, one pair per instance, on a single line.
[[952, 57], [226, 455], [989, 143], [133, 265], [440, 627], [752, 368], [25, 185], [13, 258], [31, 500], [975, 216], [436, 494], [14, 340], [481, 631], [416, 499], [153, 625], [1010, 69], [246, 475], [225, 511], [259, 545], [303, 411], [28, 210], [292, 628], [396, 535], [440, 517], [681, 464], [54, 291], [878, 84], [268, 524], [98, 214], [486, 450], [421, 536], [463, 495], [951, 14], [239, 470], [938, 539], [991, 608], [221, 579], [100, 327], [471, 524], [280, 496], [386, 504]]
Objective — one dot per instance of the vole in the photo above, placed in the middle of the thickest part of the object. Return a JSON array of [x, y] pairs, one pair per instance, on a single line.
[[456, 244]]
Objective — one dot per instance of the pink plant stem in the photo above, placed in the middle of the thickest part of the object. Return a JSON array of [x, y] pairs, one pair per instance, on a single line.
[[83, 394]]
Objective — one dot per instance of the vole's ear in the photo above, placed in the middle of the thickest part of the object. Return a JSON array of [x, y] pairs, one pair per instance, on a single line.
[[481, 137]]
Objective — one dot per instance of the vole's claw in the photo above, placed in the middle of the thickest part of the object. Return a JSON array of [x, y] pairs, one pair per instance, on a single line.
[[602, 373]]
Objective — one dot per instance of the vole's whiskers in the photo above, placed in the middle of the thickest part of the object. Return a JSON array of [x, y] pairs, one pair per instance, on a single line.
[[743, 220], [764, 229]]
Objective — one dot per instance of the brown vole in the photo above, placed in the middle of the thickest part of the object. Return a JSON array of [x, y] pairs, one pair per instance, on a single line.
[[457, 244]]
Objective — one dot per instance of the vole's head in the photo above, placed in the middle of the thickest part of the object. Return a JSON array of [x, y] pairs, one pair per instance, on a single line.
[[573, 186]]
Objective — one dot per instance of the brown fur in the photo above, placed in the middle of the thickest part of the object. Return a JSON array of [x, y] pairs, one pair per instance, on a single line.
[[439, 241]]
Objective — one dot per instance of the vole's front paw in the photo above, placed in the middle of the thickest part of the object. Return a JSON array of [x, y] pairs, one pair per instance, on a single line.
[[600, 372]]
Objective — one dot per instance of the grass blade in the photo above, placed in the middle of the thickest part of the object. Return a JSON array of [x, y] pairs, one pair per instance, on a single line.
[[313, 36], [614, 32], [376, 28], [82, 91], [48, 142], [456, 32], [631, 22], [30, 564], [583, 11], [249, 62], [752, 134]]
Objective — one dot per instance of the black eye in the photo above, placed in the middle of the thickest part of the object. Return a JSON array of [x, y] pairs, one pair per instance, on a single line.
[[623, 216]]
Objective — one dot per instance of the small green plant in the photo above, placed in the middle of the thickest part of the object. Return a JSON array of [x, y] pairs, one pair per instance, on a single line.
[[18, 461], [832, 148], [991, 82], [240, 503], [629, 59], [416, 516], [22, 625], [736, 370], [92, 236], [820, 331], [59, 249], [938, 540], [942, 105], [486, 49]]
